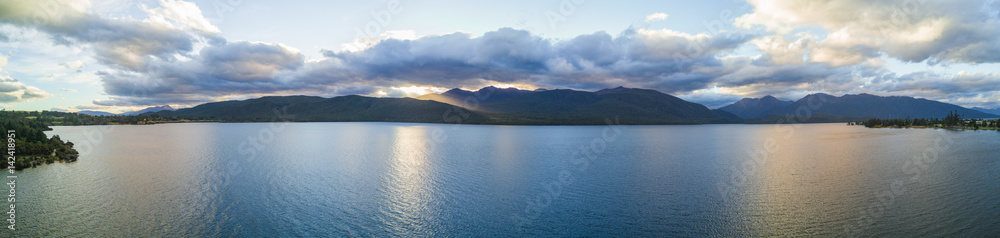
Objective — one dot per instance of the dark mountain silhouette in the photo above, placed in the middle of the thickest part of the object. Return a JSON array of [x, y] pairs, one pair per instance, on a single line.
[[132, 113], [96, 113], [344, 108], [468, 99], [630, 105], [755, 107], [995, 111], [872, 106], [485, 106], [564, 107], [148, 109]]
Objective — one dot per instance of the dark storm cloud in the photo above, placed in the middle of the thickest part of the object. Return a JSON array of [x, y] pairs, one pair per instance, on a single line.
[[246, 61], [232, 68], [127, 44], [449, 60], [638, 57], [155, 63], [963, 83], [780, 75]]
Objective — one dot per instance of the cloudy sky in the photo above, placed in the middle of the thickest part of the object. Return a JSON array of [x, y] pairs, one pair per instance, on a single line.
[[122, 55]]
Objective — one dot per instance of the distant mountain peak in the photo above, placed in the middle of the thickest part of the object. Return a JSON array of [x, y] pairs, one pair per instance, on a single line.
[[164, 107], [995, 111], [455, 90], [612, 90], [819, 95], [865, 95], [492, 89], [459, 97], [755, 107], [868, 106], [149, 109], [96, 113]]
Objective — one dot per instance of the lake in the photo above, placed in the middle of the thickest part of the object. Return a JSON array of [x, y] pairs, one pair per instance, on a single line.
[[407, 179]]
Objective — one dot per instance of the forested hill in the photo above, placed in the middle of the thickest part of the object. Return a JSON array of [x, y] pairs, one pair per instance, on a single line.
[[488, 106], [564, 106], [319, 109], [31, 146], [748, 108]]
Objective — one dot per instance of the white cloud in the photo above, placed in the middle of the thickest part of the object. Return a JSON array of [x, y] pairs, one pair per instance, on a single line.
[[659, 16], [123, 43], [12, 90], [183, 13], [3, 61], [72, 65], [43, 12], [780, 50], [831, 47], [367, 42], [668, 44], [912, 31]]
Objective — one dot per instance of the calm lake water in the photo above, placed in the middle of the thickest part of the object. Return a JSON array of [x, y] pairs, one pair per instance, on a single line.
[[401, 179]]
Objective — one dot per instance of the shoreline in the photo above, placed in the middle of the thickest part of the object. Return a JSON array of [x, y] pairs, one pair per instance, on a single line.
[[473, 124]]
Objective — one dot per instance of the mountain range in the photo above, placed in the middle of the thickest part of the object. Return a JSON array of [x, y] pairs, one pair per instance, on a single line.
[[131, 113], [632, 105], [486, 106], [995, 111], [851, 106], [493, 105], [748, 108], [312, 108], [464, 98]]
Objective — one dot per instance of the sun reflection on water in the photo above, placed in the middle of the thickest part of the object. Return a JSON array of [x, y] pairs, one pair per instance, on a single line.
[[408, 188]]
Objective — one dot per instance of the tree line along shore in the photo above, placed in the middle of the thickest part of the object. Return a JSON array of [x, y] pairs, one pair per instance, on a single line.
[[33, 148], [951, 121], [25, 132]]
